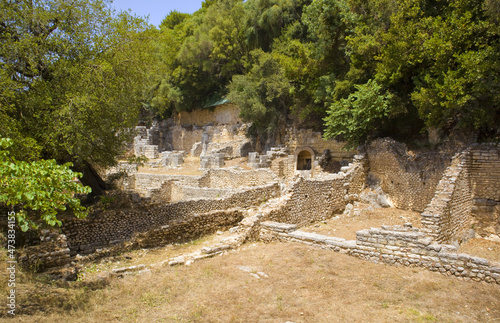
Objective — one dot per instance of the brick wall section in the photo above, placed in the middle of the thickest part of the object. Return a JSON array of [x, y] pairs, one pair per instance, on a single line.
[[395, 245], [410, 180], [52, 252], [112, 227], [233, 178], [448, 217], [319, 198], [485, 181], [411, 247], [188, 229]]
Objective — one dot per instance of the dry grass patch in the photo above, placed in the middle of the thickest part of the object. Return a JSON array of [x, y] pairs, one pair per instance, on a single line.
[[305, 284], [369, 217], [482, 248]]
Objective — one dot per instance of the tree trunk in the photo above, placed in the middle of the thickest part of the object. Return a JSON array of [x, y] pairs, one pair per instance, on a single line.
[[91, 178]]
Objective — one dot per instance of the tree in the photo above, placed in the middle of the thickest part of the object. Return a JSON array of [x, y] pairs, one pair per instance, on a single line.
[[355, 119], [263, 95], [41, 187], [74, 77]]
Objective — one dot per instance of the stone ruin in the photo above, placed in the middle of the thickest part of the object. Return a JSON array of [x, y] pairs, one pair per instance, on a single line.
[[290, 186]]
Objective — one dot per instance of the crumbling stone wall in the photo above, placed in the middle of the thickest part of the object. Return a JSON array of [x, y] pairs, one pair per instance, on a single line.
[[485, 181], [410, 247], [189, 228], [222, 114], [319, 198], [448, 217], [295, 138], [52, 252], [409, 179], [144, 183], [111, 227], [234, 178], [174, 191]]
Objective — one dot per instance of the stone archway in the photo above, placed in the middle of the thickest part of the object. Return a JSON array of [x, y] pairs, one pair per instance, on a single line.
[[305, 157]]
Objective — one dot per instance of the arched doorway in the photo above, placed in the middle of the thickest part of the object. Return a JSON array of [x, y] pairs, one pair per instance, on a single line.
[[304, 160]]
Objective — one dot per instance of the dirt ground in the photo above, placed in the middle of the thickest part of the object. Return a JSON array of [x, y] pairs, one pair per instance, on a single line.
[[297, 283], [191, 166], [345, 227]]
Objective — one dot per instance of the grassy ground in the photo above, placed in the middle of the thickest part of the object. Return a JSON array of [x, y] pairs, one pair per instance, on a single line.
[[304, 284], [346, 227]]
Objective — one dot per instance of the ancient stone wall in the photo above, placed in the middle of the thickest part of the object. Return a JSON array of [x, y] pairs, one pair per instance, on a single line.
[[411, 247], [52, 252], [319, 198], [395, 245], [296, 138], [222, 114], [409, 179], [485, 181], [233, 178], [146, 182], [448, 217], [112, 227], [189, 228]]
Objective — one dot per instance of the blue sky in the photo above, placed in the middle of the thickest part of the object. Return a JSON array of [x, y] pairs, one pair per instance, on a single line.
[[157, 9]]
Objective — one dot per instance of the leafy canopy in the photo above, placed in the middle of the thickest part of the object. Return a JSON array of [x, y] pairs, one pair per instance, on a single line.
[[42, 187]]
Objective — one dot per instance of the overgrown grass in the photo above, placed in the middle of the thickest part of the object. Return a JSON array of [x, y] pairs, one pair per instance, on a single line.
[[305, 284]]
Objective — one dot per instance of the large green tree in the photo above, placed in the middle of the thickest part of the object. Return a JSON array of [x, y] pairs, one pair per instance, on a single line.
[[73, 76], [439, 60]]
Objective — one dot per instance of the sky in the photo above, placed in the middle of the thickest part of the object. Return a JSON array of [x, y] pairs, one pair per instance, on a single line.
[[157, 9]]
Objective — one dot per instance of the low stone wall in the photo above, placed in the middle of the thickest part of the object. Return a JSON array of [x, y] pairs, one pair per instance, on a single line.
[[395, 245], [410, 247], [112, 227], [188, 229], [145, 182], [448, 217], [52, 252], [233, 178]]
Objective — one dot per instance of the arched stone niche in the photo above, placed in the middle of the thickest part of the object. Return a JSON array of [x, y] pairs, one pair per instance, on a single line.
[[305, 157]]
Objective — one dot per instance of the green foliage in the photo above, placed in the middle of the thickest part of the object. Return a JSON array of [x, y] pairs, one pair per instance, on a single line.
[[354, 119], [263, 94], [39, 187], [173, 19], [74, 78]]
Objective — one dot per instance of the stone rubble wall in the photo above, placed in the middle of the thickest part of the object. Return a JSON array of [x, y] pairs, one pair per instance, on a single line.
[[395, 245], [485, 181], [410, 180], [411, 247], [146, 182], [222, 114], [448, 217], [189, 228], [234, 178], [112, 227], [173, 191], [319, 198], [296, 138], [52, 252]]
